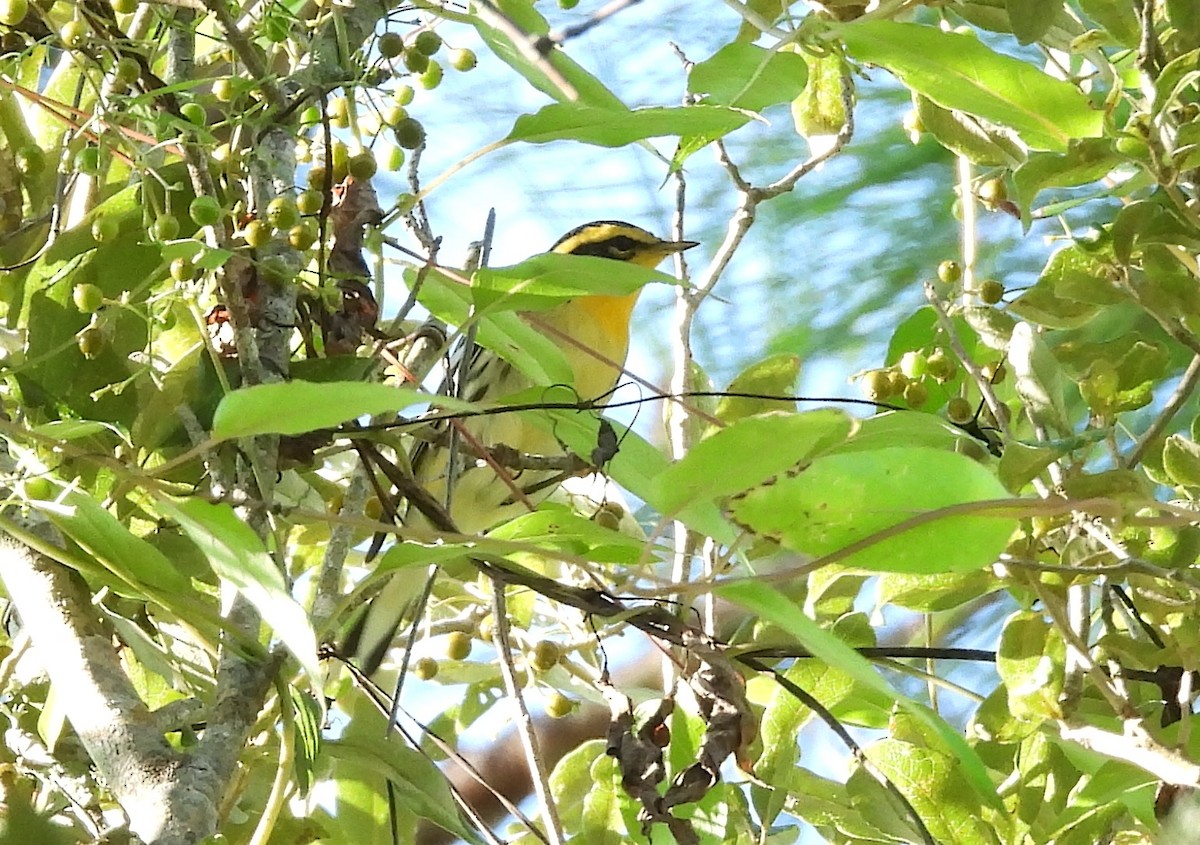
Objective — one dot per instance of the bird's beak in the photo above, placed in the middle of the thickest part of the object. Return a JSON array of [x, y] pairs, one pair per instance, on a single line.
[[672, 247]]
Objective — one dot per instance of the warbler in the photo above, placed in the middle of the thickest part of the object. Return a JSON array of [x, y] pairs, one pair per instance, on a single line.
[[478, 499]]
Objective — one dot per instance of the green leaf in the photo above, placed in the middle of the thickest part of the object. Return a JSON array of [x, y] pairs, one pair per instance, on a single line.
[[931, 780], [774, 375], [958, 71], [1041, 305], [237, 555], [743, 76], [66, 430], [145, 570], [1039, 379], [1149, 222], [768, 10], [419, 788], [296, 407], [933, 593], [571, 781], [1185, 17], [307, 728], [1031, 19], [963, 134], [1030, 662], [782, 719], [747, 453], [767, 603], [1117, 17], [612, 128], [1086, 160], [1082, 275], [551, 279], [904, 428], [554, 526], [1181, 460], [843, 499], [529, 22], [1021, 463]]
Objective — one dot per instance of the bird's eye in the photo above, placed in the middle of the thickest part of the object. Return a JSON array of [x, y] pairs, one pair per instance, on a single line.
[[621, 247]]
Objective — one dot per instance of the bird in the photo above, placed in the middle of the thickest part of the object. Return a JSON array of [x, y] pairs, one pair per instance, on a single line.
[[478, 498]]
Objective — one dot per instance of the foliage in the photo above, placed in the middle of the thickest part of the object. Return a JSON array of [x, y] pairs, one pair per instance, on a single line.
[[205, 416]]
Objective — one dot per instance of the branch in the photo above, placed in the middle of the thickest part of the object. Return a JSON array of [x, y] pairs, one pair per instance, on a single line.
[[116, 727]]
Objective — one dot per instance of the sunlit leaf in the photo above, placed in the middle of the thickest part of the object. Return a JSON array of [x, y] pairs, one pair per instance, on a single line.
[[958, 71], [843, 499], [237, 555], [611, 128], [296, 407], [744, 76]]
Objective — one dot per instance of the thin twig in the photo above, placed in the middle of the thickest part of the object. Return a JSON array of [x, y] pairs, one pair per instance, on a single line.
[[527, 45], [555, 39], [533, 756], [844, 735], [247, 53]]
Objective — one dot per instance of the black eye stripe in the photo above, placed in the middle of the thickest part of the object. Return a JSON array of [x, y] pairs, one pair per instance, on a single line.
[[617, 247]]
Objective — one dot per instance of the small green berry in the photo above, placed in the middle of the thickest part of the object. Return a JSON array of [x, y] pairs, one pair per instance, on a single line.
[[991, 291], [395, 159], [87, 297], [463, 59], [949, 271], [877, 385], [913, 364], [204, 211], [12, 12], [391, 45], [73, 34], [105, 229], [194, 114], [30, 160], [940, 365], [432, 76], [995, 373], [993, 192], [916, 394], [959, 411], [165, 228], [415, 60], [282, 213], [558, 705], [224, 90], [427, 42], [182, 269], [362, 166], [339, 112], [309, 202], [546, 655], [425, 668], [316, 181], [90, 342], [257, 234], [409, 133], [404, 95], [458, 645], [127, 70], [87, 161], [302, 236]]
